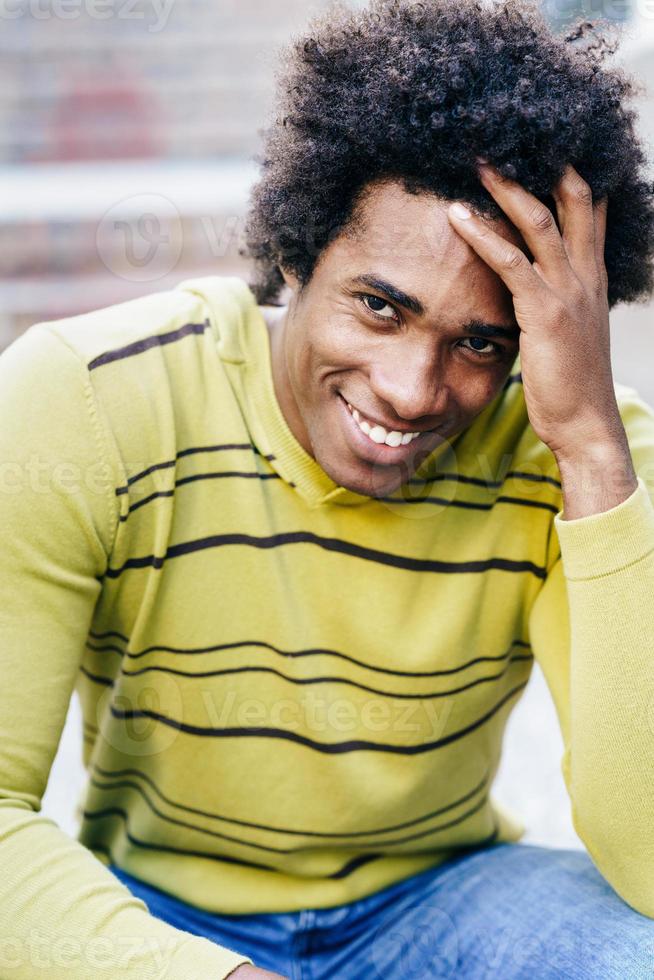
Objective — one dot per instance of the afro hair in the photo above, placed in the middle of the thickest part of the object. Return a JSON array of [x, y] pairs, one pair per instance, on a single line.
[[415, 92]]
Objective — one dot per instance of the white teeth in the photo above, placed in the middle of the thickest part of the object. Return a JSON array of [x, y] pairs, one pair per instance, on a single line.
[[379, 434]]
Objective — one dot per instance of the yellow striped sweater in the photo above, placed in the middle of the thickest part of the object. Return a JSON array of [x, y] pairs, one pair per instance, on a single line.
[[293, 695]]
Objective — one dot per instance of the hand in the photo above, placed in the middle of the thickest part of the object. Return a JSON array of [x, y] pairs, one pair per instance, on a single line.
[[248, 972], [561, 306], [560, 301]]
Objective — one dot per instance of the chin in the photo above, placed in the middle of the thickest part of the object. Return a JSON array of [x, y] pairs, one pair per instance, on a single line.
[[366, 482]]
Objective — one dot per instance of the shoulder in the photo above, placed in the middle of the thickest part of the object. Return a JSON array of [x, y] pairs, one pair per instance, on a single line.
[[149, 365], [638, 420], [159, 341], [99, 336], [634, 409]]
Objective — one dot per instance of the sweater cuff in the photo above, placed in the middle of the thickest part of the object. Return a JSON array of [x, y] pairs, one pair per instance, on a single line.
[[601, 544], [201, 957]]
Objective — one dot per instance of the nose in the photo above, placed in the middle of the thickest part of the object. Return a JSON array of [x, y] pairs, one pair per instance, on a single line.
[[411, 384]]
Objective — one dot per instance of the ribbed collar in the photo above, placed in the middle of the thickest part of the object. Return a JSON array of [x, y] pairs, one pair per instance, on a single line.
[[242, 340]]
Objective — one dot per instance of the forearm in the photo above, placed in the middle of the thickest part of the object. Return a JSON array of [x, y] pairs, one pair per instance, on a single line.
[[67, 917], [609, 565]]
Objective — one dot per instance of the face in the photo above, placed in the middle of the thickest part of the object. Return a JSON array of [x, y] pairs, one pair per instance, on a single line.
[[400, 339]]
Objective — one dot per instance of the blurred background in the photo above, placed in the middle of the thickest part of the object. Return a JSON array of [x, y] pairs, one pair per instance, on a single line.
[[128, 136]]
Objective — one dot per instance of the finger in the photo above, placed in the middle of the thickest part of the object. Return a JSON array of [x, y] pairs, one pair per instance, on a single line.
[[574, 205], [533, 219], [507, 260]]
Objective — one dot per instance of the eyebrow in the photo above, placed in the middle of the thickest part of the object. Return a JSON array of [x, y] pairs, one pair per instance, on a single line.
[[476, 328], [383, 286]]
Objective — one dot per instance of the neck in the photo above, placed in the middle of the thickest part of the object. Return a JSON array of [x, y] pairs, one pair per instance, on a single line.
[[276, 319]]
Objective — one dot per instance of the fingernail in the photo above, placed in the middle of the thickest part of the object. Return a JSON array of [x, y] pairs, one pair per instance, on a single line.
[[460, 211], [482, 160]]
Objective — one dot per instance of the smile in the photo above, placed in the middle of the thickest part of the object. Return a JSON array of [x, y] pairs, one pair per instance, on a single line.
[[378, 434]]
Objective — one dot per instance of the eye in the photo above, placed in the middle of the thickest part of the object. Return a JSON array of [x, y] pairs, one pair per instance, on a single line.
[[481, 347], [375, 303]]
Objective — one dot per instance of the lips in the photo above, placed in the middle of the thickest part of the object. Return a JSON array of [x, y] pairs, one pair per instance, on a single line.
[[380, 452], [378, 433]]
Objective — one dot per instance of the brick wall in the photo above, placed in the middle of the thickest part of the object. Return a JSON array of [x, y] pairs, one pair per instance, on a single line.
[[172, 78], [183, 87]]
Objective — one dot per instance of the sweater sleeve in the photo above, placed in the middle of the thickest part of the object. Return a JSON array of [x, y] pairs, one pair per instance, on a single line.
[[592, 631], [64, 915]]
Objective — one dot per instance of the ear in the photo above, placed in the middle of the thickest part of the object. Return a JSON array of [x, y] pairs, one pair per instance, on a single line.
[[290, 279]]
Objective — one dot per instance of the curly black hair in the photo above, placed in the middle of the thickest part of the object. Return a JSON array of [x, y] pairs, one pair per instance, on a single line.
[[415, 92]]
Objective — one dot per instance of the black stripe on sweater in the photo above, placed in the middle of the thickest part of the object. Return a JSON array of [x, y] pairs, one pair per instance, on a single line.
[[354, 865], [201, 476], [192, 450], [293, 654], [486, 484], [473, 505], [415, 481], [338, 545], [126, 783], [442, 501], [297, 832], [329, 748], [102, 636], [313, 680], [147, 343], [347, 869], [107, 681]]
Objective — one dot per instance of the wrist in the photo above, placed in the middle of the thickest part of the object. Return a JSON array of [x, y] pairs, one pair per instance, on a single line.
[[596, 476]]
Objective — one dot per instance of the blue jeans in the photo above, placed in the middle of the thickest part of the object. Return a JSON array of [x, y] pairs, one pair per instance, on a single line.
[[506, 911]]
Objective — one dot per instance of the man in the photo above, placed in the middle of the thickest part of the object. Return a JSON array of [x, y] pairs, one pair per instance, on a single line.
[[298, 561]]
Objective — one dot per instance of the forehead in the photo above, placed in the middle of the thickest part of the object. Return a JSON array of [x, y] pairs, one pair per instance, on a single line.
[[388, 213], [408, 238]]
